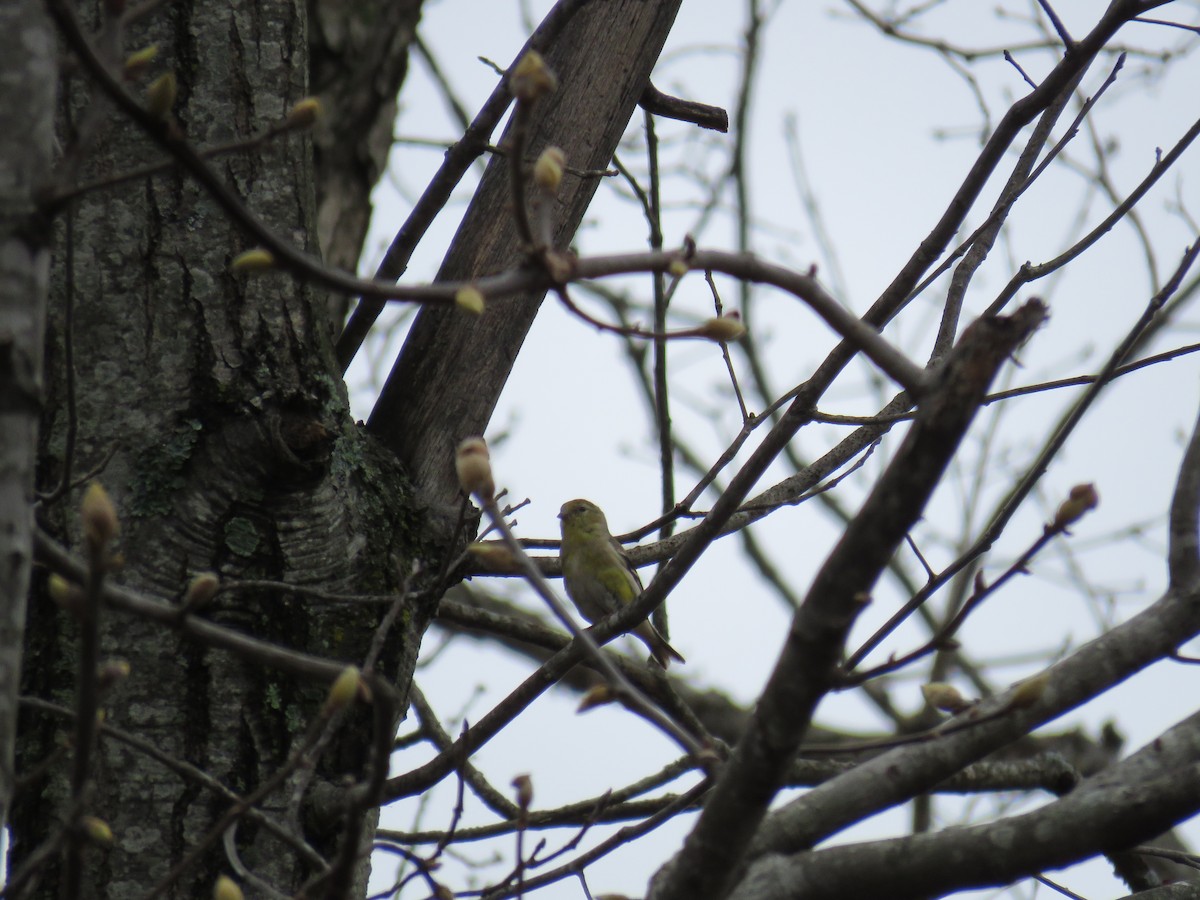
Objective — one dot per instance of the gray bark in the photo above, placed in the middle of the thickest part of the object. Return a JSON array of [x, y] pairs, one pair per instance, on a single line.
[[234, 452], [27, 98], [359, 58]]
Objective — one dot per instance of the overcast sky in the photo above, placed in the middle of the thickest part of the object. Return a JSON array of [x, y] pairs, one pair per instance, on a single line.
[[886, 131]]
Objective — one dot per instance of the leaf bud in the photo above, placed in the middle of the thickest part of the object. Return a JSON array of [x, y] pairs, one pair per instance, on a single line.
[[597, 696], [100, 523], [201, 590], [723, 329], [524, 789], [344, 689], [136, 63], [532, 78], [470, 299], [253, 260], [1029, 691], [305, 112], [227, 889], [1082, 499], [97, 830], [65, 594], [473, 465], [945, 697], [112, 671], [161, 95], [548, 170]]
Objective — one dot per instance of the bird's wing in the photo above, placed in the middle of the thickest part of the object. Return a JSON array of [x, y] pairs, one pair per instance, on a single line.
[[633, 574]]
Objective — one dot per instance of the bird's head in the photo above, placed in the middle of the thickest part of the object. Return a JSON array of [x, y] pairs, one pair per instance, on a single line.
[[582, 517]]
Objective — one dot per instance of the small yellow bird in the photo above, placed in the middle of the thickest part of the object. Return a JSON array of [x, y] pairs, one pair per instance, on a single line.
[[598, 575]]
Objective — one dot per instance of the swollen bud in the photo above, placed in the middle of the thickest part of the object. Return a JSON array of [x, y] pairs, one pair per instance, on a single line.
[[1029, 691], [473, 465], [305, 112], [65, 594], [344, 689], [59, 588], [135, 63], [532, 78], [944, 696], [97, 830], [202, 589], [723, 328], [100, 523], [470, 299], [1082, 499], [227, 889], [678, 268], [524, 788], [597, 696], [110, 672], [253, 260], [548, 170], [161, 95]]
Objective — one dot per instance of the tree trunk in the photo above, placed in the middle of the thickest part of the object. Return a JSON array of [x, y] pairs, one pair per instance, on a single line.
[[359, 59], [232, 452], [210, 406], [26, 45]]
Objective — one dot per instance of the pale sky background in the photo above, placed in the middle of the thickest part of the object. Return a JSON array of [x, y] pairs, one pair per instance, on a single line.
[[887, 132]]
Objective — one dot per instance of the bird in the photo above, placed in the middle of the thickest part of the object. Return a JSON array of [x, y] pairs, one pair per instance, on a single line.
[[599, 577], [472, 463]]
